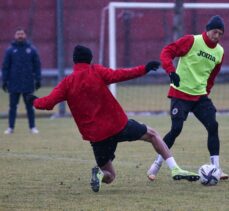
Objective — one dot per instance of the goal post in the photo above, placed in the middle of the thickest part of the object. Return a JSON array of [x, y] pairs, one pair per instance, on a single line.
[[112, 26], [113, 6]]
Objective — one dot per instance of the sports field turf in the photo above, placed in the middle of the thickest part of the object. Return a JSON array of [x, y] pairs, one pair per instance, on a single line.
[[51, 171]]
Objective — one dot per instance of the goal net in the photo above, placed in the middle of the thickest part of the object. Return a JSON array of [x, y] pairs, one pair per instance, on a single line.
[[137, 33]]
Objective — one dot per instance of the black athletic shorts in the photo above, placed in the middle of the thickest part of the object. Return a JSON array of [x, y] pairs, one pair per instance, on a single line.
[[105, 150], [202, 109]]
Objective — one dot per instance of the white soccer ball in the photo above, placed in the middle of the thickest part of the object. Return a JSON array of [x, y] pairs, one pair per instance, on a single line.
[[209, 174]]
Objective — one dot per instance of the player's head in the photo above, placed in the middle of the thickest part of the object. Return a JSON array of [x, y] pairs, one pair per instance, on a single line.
[[82, 54], [20, 35], [215, 28]]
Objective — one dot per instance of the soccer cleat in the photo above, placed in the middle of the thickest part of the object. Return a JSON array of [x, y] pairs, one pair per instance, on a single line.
[[223, 176], [9, 131], [152, 172], [179, 174], [34, 130], [96, 179]]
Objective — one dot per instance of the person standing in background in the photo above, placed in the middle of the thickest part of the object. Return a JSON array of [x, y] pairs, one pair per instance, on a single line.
[[21, 75]]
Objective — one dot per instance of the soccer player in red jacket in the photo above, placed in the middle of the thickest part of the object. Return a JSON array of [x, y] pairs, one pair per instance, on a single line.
[[201, 57], [100, 118]]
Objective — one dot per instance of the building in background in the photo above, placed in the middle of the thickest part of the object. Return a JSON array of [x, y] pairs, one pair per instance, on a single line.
[[141, 33]]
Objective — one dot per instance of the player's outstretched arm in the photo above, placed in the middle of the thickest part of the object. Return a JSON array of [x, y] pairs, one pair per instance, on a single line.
[[57, 95], [123, 74]]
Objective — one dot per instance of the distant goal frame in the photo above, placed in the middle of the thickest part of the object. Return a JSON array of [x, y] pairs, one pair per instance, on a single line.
[[113, 6]]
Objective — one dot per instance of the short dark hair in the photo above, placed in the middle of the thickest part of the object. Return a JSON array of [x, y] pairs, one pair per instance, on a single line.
[[20, 29]]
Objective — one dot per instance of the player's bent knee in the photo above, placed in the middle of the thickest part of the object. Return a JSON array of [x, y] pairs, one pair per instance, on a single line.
[[212, 126], [175, 131], [150, 135]]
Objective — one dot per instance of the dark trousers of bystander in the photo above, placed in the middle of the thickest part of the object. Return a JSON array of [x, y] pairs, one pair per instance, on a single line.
[[14, 101]]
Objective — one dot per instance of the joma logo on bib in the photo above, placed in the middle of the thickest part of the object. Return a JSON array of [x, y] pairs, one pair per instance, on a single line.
[[206, 55]]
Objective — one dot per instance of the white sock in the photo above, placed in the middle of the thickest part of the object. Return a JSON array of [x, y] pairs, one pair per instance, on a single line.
[[159, 160], [155, 168], [215, 160], [171, 163]]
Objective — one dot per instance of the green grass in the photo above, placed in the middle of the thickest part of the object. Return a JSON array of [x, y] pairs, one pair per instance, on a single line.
[[136, 98], [51, 171]]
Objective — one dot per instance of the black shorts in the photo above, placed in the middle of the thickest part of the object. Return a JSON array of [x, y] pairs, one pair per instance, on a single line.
[[202, 109], [105, 150]]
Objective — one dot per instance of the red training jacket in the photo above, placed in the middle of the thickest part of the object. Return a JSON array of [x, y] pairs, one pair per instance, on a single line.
[[180, 48], [96, 112]]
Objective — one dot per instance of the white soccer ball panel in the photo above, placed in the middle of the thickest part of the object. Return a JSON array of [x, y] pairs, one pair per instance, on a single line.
[[209, 174]]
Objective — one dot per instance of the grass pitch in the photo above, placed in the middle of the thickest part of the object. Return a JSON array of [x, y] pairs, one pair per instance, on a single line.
[[51, 170]]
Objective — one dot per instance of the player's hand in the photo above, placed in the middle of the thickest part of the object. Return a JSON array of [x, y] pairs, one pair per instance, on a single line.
[[175, 79], [37, 85], [152, 65], [5, 87], [30, 98]]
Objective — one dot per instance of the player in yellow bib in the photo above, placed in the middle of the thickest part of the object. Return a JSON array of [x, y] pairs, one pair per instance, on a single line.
[[200, 60]]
